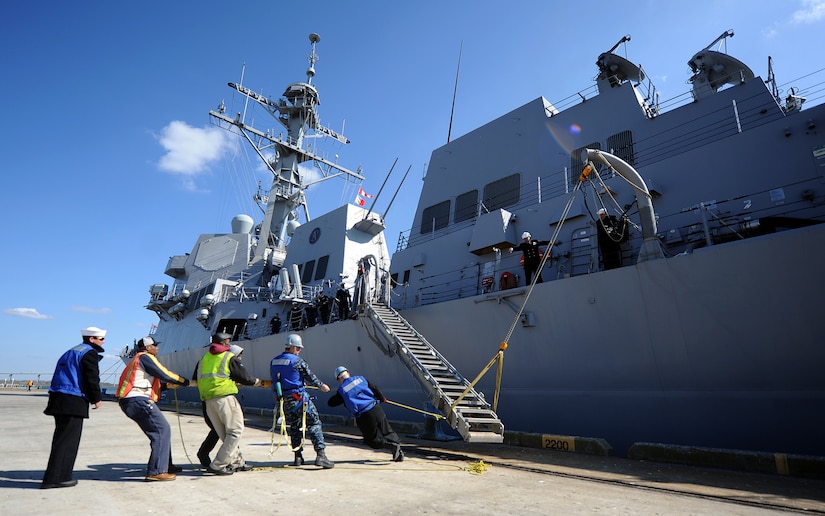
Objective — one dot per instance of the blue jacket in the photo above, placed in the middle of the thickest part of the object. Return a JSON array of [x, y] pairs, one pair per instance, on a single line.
[[66, 378], [357, 396], [282, 368]]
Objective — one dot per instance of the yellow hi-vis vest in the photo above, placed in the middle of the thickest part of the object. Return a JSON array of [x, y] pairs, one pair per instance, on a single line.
[[213, 376]]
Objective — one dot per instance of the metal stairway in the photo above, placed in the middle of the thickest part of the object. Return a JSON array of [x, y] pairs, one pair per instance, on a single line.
[[473, 418]]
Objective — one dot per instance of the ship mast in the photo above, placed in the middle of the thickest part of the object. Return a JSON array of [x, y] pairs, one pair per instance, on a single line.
[[297, 112]]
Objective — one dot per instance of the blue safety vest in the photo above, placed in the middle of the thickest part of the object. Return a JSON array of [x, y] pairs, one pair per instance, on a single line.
[[358, 398], [66, 377], [282, 368]]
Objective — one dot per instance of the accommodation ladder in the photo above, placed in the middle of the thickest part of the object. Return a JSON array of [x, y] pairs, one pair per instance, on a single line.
[[472, 417]]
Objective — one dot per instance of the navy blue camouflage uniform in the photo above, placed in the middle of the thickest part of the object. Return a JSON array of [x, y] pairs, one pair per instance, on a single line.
[[295, 397]]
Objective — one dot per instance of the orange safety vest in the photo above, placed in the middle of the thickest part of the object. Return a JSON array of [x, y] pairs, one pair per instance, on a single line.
[[127, 379]]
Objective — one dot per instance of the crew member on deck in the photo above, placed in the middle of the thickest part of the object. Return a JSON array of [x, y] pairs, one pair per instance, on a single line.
[[610, 240], [531, 255]]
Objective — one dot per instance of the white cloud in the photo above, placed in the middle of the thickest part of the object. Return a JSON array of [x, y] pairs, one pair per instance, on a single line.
[[89, 310], [191, 150], [28, 313], [812, 11]]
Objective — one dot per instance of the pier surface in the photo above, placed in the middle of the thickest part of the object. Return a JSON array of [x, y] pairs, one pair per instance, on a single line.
[[436, 477]]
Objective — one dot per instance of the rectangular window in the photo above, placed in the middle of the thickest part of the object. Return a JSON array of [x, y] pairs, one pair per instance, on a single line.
[[466, 206], [306, 274], [435, 217], [321, 271], [621, 146], [502, 193], [577, 161], [406, 276]]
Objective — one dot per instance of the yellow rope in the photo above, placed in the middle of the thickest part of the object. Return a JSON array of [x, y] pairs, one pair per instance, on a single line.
[[432, 414], [180, 430], [283, 433], [303, 427], [478, 468]]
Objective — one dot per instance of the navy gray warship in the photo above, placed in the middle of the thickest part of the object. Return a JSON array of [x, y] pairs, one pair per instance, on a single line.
[[700, 330]]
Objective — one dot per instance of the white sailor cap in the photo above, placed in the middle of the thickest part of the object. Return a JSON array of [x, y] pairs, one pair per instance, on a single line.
[[526, 234], [92, 331], [235, 349], [602, 211]]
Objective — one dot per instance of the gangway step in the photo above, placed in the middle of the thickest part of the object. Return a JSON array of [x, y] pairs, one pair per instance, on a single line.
[[484, 437], [473, 416]]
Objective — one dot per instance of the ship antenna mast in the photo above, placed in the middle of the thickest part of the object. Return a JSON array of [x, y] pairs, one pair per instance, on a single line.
[[455, 91], [313, 57]]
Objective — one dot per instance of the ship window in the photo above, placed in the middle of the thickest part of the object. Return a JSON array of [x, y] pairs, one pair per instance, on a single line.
[[621, 146], [435, 217], [406, 276], [465, 206], [502, 193], [321, 271], [234, 327], [306, 274], [576, 163], [394, 279]]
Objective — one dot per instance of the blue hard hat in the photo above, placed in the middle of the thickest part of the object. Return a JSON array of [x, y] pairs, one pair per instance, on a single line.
[[338, 370]]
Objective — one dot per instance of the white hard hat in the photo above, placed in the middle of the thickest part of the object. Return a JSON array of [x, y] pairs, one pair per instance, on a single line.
[[294, 339], [526, 234]]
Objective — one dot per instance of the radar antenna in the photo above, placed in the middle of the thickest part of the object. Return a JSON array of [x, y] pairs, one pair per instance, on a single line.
[[722, 39], [624, 39], [712, 69], [313, 57], [615, 69]]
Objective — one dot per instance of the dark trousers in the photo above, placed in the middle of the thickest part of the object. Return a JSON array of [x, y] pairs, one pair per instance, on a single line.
[[376, 429], [151, 420], [212, 437], [529, 270], [65, 443]]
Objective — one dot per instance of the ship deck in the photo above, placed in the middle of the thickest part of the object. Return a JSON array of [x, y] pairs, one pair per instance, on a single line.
[[436, 477]]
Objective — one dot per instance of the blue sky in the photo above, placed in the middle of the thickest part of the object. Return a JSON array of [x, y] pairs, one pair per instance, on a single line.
[[111, 164]]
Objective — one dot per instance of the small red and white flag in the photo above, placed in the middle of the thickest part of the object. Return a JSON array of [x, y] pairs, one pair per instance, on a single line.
[[359, 198]]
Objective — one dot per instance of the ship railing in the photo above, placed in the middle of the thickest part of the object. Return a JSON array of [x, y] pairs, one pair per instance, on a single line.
[[693, 227]]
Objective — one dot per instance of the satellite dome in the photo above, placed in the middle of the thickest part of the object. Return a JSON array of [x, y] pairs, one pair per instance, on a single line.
[[242, 224]]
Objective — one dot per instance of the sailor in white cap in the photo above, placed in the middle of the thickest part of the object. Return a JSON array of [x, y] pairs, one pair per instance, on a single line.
[[530, 256], [75, 385]]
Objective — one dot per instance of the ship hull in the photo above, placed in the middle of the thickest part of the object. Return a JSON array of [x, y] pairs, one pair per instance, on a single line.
[[718, 348]]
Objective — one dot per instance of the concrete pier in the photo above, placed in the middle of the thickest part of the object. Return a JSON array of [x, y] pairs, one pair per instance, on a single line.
[[436, 477]]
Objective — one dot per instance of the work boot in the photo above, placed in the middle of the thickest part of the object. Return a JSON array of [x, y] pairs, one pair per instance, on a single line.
[[322, 460], [397, 453], [395, 449], [299, 459]]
